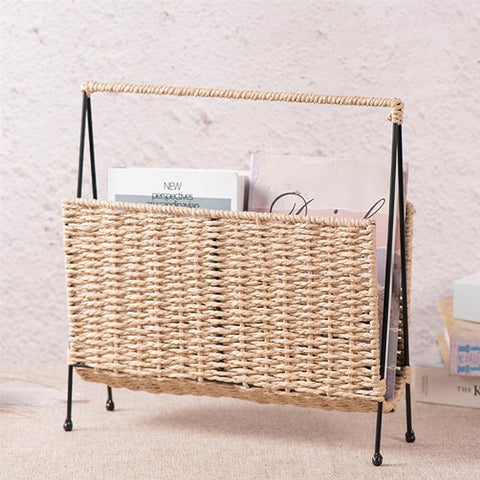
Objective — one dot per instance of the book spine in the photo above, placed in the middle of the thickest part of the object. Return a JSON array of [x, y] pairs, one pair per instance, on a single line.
[[434, 385], [392, 351], [465, 357]]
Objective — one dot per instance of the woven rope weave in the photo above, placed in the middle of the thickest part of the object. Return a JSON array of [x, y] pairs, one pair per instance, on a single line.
[[395, 104], [270, 308]]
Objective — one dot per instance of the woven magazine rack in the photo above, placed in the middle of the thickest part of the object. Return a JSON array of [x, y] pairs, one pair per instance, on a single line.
[[271, 308]]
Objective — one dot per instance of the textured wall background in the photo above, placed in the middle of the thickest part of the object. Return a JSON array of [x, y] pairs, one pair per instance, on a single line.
[[423, 52]]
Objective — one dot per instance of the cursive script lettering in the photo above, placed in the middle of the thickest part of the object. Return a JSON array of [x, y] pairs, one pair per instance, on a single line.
[[303, 208]]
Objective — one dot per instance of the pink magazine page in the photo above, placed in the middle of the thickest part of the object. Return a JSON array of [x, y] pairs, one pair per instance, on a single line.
[[332, 187]]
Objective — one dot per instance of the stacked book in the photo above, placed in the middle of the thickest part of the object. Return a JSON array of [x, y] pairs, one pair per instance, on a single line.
[[459, 382]]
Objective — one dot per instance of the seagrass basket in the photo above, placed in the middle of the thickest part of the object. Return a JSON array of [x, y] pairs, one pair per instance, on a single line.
[[263, 307]]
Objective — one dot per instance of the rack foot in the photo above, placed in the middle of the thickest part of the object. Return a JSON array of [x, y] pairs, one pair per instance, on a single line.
[[68, 425], [377, 459], [410, 436], [110, 406]]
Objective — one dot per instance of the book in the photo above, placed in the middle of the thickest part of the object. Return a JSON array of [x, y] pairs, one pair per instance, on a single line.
[[443, 347], [435, 385], [462, 339], [193, 188], [466, 298], [332, 187]]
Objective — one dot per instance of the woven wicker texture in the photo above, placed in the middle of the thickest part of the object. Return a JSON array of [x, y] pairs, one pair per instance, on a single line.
[[410, 211], [395, 104], [270, 308]]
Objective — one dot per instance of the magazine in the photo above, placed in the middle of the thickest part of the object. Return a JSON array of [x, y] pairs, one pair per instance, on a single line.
[[334, 187], [193, 188]]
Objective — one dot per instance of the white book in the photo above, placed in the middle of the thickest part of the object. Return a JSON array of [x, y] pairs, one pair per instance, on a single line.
[[193, 188], [466, 298], [435, 385]]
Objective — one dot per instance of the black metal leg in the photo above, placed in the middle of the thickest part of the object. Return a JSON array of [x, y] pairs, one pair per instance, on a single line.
[[68, 425], [409, 435], [92, 149], [110, 405], [377, 458], [82, 146]]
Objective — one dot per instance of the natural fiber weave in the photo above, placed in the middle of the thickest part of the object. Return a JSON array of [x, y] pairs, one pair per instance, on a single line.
[[269, 308], [395, 104], [410, 211]]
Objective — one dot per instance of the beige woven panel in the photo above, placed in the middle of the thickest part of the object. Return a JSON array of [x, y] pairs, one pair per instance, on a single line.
[[271, 308]]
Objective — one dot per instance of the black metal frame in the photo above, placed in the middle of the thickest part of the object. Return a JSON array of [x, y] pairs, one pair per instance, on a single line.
[[86, 118], [396, 168]]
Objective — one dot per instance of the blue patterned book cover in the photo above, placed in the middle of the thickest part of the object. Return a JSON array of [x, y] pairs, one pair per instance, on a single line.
[[463, 342]]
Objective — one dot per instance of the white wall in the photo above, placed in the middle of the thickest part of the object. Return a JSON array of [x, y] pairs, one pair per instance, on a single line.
[[423, 52]]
